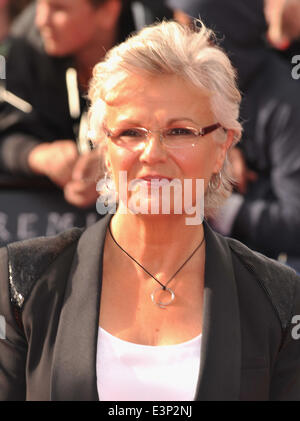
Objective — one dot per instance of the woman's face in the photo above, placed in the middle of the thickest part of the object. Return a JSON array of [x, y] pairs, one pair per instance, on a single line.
[[158, 103]]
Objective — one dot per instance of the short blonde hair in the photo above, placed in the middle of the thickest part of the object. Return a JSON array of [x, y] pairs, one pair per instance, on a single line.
[[175, 49]]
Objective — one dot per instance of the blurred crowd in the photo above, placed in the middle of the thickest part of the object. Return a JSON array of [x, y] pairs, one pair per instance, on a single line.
[[50, 50], [9, 10]]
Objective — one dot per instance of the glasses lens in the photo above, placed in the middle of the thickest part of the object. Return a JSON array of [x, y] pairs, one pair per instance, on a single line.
[[136, 138], [179, 137], [132, 138]]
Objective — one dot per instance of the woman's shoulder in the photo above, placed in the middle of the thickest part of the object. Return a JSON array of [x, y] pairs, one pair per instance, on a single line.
[[258, 263], [22, 263], [280, 282]]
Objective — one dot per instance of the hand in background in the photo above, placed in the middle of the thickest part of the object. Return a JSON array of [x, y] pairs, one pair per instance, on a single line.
[[55, 160], [81, 191], [240, 171]]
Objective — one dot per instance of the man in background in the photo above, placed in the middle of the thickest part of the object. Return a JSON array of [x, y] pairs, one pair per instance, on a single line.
[[69, 34], [264, 211], [283, 17], [53, 48]]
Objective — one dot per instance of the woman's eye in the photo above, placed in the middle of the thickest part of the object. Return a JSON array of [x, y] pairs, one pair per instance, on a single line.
[[180, 131], [130, 133]]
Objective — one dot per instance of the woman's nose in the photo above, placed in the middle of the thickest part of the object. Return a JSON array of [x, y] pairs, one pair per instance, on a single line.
[[154, 150]]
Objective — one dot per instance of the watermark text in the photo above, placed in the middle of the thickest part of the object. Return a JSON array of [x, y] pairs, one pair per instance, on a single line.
[[296, 68], [2, 327], [153, 196], [296, 329], [2, 67]]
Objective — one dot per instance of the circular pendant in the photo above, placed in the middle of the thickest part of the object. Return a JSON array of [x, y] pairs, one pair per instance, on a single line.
[[160, 303]]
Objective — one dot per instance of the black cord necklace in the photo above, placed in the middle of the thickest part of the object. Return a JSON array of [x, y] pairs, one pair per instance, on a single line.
[[162, 286]]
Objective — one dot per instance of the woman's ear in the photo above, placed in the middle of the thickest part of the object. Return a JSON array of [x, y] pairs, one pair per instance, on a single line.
[[223, 148]]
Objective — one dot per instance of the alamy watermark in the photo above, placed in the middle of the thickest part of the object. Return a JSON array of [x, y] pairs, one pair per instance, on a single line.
[[153, 196], [2, 327], [296, 68], [296, 329], [2, 67]]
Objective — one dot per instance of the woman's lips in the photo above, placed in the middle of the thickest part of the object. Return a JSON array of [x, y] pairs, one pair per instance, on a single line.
[[151, 180], [155, 177]]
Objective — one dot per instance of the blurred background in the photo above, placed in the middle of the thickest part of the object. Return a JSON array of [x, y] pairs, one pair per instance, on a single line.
[[47, 174]]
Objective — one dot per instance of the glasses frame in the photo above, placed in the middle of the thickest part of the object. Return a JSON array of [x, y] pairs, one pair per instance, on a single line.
[[200, 133]]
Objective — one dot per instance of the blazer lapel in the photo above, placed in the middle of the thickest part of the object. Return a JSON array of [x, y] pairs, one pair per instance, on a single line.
[[221, 339], [74, 361]]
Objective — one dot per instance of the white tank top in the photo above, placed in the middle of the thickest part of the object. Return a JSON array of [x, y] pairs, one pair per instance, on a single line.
[[133, 372]]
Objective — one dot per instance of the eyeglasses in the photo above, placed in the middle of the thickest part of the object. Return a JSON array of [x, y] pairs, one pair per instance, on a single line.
[[135, 138]]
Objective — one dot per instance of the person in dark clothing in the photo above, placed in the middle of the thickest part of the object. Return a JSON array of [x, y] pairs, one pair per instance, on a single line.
[[283, 19], [267, 215], [44, 63], [46, 185], [9, 10]]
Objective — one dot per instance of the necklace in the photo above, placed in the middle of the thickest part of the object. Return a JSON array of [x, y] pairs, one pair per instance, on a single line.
[[163, 287]]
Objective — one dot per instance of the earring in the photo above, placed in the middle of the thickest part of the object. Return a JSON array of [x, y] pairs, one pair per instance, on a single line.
[[108, 182], [215, 181], [109, 189], [91, 144], [107, 200]]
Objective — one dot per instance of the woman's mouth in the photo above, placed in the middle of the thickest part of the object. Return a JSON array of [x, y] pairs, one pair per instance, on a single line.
[[155, 178]]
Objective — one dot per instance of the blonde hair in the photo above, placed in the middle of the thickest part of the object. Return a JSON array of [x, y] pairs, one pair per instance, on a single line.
[[170, 48]]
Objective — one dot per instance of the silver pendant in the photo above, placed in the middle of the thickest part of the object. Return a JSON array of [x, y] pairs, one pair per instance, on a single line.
[[160, 303]]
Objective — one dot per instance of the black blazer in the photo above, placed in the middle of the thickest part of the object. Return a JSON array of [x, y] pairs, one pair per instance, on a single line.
[[50, 298]]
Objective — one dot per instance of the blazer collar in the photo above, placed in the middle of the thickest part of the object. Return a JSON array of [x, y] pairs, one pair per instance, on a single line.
[[74, 361], [220, 365]]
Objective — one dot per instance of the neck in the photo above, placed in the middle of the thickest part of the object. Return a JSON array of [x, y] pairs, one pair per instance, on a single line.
[[157, 240]]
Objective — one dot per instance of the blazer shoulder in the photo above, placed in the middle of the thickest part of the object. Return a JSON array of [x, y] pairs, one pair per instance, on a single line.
[[27, 261], [278, 281]]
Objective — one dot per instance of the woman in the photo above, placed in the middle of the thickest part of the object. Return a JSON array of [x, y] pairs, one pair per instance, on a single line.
[[145, 304]]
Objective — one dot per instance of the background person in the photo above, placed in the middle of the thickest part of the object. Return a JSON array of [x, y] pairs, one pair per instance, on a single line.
[[267, 163], [144, 306], [68, 34], [9, 10], [53, 48], [4, 20], [283, 17]]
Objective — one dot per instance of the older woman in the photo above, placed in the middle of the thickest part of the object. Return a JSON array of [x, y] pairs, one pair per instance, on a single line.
[[145, 304]]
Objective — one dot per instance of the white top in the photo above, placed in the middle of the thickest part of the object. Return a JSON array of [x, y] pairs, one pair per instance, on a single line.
[[132, 372]]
